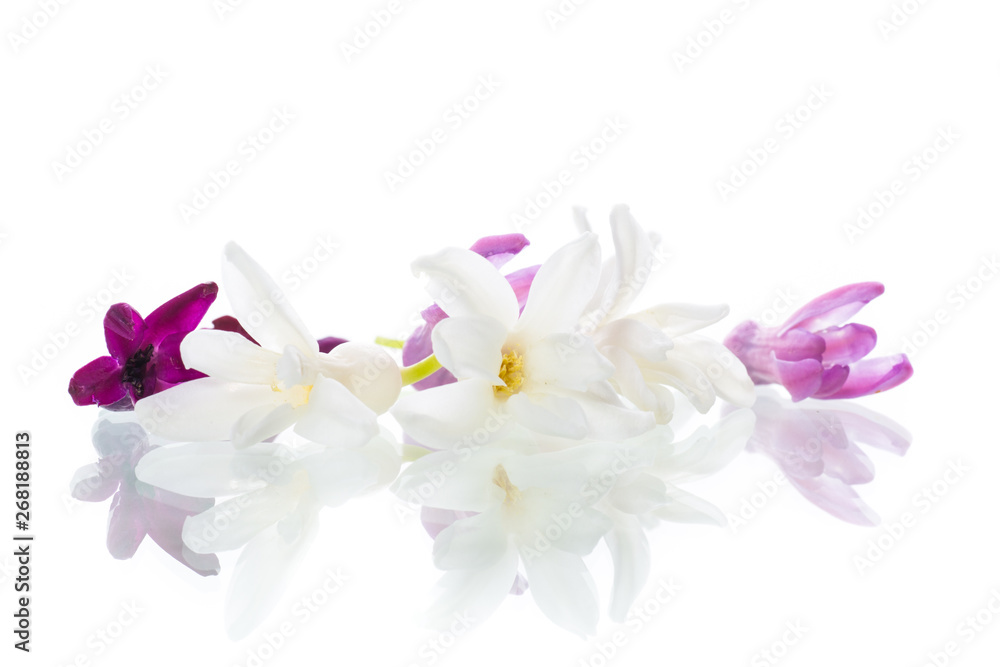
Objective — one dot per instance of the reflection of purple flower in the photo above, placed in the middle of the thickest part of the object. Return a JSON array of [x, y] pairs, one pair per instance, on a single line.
[[817, 450], [145, 353], [812, 355], [498, 250], [137, 509]]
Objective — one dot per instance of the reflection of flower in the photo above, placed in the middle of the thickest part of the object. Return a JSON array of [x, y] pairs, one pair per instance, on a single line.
[[812, 355], [145, 353], [137, 509], [498, 250], [273, 514], [254, 392], [817, 450]]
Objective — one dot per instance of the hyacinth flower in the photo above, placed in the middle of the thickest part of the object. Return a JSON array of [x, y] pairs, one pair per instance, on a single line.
[[145, 352], [657, 349], [813, 354], [254, 392], [138, 509], [817, 449], [498, 250], [274, 495]]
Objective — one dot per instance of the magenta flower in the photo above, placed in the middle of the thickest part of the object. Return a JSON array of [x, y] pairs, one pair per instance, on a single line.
[[813, 354], [137, 509], [818, 451], [145, 353], [499, 250]]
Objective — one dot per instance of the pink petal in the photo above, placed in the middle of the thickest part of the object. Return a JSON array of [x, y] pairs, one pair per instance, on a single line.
[[870, 376], [124, 331], [833, 308], [802, 378], [182, 313], [847, 344], [834, 378], [500, 249], [836, 498]]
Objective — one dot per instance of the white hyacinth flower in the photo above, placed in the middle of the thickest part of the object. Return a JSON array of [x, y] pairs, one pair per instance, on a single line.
[[531, 369], [272, 515], [655, 348], [254, 392]]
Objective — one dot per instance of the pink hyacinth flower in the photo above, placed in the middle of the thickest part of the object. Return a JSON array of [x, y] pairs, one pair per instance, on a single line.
[[814, 355]]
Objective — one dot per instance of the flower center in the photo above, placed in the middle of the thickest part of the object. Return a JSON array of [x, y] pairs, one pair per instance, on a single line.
[[512, 373], [134, 372], [500, 478]]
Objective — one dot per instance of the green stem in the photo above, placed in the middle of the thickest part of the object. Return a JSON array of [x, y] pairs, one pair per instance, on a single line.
[[389, 342], [420, 370]]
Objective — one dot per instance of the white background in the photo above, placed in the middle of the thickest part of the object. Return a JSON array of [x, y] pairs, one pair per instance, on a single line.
[[686, 128]]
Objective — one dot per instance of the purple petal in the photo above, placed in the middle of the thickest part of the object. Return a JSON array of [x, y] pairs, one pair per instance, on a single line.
[[802, 378], [867, 427], [99, 382], [124, 331], [832, 308], [834, 378], [168, 365], [126, 528], [847, 344], [419, 346], [330, 342], [870, 376], [836, 498], [758, 348], [182, 313], [520, 281], [847, 463], [230, 323], [500, 249]]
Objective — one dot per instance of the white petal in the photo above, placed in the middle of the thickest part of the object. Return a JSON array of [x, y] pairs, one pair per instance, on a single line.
[[687, 379], [463, 283], [633, 259], [470, 346], [263, 569], [335, 416], [262, 423], [460, 480], [677, 319], [641, 494], [563, 589], [631, 557], [561, 289], [567, 361], [723, 369], [339, 474], [548, 414], [628, 380], [368, 371], [203, 469], [561, 523], [473, 543], [612, 421], [448, 415], [688, 508], [260, 305], [474, 594], [233, 523], [228, 356], [202, 410], [637, 338]]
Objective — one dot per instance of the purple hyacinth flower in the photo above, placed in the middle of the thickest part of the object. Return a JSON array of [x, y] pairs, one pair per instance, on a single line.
[[137, 509], [813, 354], [145, 353], [817, 449], [498, 250]]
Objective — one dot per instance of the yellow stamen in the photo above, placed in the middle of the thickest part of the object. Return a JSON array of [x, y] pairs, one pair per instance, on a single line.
[[500, 478], [512, 373]]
